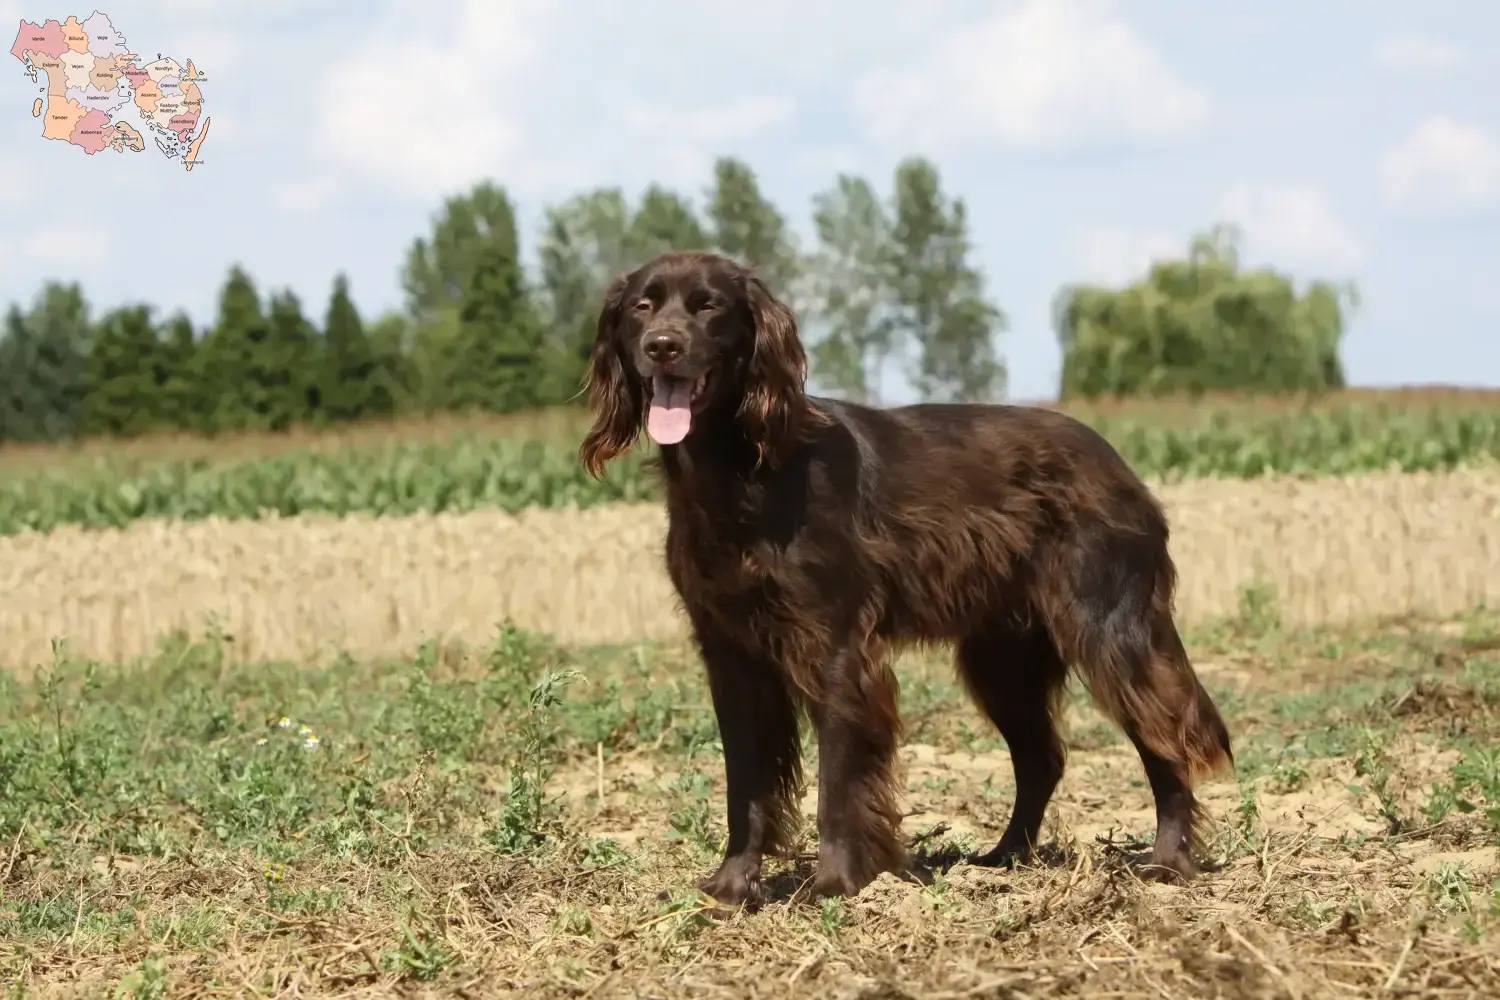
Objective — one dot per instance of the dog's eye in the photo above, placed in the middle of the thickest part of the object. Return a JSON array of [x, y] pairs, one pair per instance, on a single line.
[[706, 305], [643, 305]]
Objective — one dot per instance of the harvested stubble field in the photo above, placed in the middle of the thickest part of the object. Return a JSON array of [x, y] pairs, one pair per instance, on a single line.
[[437, 529], [526, 820], [1330, 549]]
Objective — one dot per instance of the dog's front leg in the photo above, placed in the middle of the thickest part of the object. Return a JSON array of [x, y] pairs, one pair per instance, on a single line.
[[859, 730], [762, 762]]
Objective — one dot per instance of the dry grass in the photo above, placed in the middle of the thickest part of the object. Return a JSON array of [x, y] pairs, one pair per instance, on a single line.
[[562, 425], [1187, 408], [1330, 550], [1337, 875]]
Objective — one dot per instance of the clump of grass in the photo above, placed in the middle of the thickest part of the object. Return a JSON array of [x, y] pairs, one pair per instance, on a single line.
[[1473, 788], [527, 811]]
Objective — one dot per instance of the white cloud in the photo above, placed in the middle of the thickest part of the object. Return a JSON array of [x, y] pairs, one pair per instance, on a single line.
[[1115, 255], [1042, 74], [70, 244], [16, 181], [421, 108], [683, 142], [797, 43], [222, 39], [298, 197], [745, 118], [1292, 225], [1442, 166], [829, 160], [1415, 53], [421, 111], [221, 11]]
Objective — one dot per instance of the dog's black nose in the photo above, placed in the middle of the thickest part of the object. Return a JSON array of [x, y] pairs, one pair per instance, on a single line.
[[664, 348]]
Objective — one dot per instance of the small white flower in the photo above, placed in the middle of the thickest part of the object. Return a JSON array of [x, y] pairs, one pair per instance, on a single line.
[[261, 742], [311, 743], [283, 722]]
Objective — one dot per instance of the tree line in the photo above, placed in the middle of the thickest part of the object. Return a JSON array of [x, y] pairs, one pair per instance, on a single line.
[[887, 286]]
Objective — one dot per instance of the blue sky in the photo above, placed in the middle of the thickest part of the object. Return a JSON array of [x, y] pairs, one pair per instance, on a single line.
[[1354, 139]]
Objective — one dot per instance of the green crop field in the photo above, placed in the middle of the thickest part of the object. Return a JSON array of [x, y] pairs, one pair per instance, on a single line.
[[512, 466]]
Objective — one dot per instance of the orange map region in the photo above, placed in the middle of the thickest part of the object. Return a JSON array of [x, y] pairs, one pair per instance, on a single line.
[[192, 156], [61, 117]]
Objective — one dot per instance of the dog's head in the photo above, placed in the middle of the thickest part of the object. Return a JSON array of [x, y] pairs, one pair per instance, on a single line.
[[693, 344]]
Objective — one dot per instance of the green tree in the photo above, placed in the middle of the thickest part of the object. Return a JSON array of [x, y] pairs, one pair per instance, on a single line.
[[231, 392], [124, 359], [747, 227], [44, 359], [1203, 323], [356, 384], [287, 366], [663, 221], [584, 244], [848, 289], [473, 241], [433, 346], [894, 281], [392, 342], [938, 295], [174, 369], [440, 267], [494, 356]]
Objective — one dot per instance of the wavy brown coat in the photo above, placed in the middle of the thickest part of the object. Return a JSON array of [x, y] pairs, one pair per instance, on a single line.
[[809, 538]]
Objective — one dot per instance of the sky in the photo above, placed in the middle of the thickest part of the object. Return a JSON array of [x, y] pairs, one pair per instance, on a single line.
[[1349, 139]]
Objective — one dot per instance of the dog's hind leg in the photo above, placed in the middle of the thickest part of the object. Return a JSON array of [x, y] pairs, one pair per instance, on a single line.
[[1016, 676], [1174, 726], [1116, 624]]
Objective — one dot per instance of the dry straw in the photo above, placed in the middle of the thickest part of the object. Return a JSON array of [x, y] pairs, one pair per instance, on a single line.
[[1333, 549]]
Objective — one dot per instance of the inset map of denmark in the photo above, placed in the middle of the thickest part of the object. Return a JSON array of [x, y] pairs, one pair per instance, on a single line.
[[92, 77]]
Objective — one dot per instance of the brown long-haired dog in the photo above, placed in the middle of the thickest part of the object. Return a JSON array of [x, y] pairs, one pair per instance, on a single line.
[[809, 536]]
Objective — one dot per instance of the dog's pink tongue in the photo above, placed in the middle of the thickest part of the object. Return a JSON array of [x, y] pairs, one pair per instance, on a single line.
[[671, 414]]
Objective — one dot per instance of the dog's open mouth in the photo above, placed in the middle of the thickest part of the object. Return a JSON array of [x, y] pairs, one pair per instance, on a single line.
[[673, 401]]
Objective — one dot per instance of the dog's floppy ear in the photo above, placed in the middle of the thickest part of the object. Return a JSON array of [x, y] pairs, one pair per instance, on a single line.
[[774, 409], [616, 399]]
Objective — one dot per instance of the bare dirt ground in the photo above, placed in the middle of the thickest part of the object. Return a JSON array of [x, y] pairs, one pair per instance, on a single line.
[[480, 823]]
